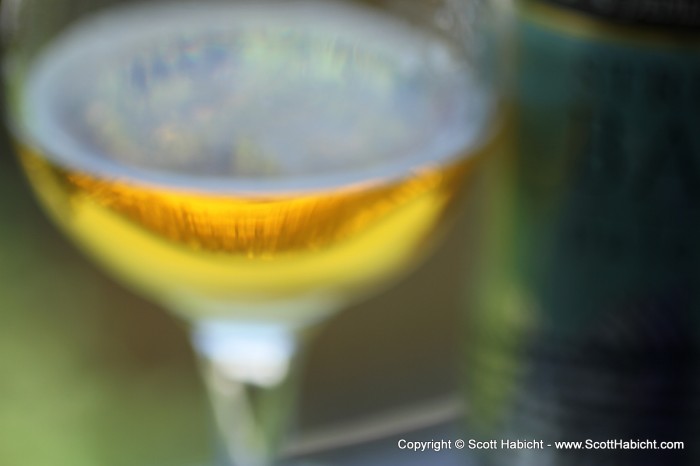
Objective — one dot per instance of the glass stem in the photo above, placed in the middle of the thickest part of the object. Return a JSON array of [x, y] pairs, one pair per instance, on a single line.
[[252, 372]]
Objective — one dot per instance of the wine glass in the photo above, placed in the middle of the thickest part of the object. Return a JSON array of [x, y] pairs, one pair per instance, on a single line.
[[251, 166]]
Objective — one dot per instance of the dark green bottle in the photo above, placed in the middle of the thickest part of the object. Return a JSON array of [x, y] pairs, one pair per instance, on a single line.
[[584, 322]]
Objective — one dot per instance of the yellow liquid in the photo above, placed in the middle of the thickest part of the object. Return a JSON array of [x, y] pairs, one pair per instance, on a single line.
[[209, 161], [181, 247]]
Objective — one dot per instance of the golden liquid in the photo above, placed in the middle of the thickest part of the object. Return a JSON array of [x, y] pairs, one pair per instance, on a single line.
[[184, 248], [213, 96]]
